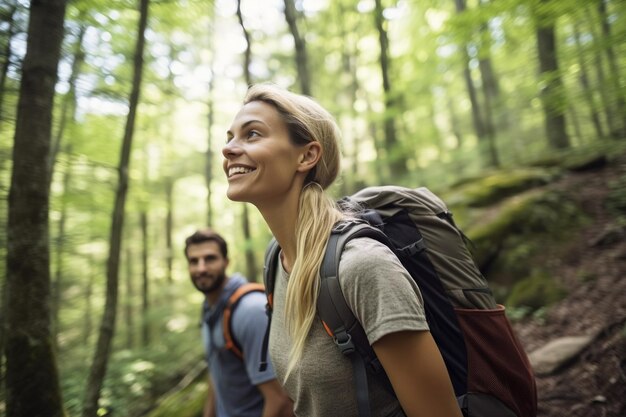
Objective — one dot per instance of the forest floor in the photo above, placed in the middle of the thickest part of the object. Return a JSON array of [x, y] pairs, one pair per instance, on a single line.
[[593, 269]]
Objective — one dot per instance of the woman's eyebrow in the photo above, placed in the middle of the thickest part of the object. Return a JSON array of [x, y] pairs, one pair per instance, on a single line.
[[244, 125]]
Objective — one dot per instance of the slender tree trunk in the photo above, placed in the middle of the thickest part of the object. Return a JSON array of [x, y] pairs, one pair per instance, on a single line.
[[208, 164], [107, 327], [302, 65], [128, 310], [454, 123], [615, 70], [553, 93], [145, 290], [68, 104], [32, 379], [169, 229], [7, 53], [247, 55], [490, 93], [87, 323], [245, 216], [483, 133], [57, 285], [586, 85], [397, 157]]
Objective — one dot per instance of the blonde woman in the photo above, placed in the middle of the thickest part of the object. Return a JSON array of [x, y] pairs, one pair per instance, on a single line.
[[282, 152]]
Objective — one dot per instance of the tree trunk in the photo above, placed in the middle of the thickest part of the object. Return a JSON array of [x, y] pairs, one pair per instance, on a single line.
[[145, 289], [586, 85], [302, 65], [208, 164], [552, 92], [107, 327], [247, 56], [396, 156], [245, 217], [57, 285], [87, 324], [615, 70], [68, 104], [32, 380], [128, 305], [169, 228], [490, 92]]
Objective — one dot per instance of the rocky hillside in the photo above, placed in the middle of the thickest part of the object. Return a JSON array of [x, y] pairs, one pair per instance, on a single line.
[[578, 345]]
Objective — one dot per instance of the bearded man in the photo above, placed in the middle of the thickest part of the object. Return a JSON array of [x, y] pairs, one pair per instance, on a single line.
[[238, 387]]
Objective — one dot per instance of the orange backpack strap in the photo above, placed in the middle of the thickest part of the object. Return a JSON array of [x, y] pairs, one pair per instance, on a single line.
[[229, 341]]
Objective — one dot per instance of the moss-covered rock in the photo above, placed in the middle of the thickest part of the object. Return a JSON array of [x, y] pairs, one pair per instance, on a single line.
[[505, 240], [536, 291], [499, 185]]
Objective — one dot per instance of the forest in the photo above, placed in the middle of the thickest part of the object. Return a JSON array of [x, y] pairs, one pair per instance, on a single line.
[[113, 115]]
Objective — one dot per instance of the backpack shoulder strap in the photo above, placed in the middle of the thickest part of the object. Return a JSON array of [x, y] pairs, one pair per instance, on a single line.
[[230, 342], [337, 318], [269, 269], [269, 275]]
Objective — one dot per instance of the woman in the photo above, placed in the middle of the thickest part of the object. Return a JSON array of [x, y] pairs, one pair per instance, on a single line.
[[282, 153]]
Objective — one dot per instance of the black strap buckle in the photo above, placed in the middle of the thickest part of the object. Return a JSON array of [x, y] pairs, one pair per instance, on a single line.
[[343, 340]]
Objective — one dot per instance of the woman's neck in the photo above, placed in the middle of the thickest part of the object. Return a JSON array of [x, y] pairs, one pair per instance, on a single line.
[[281, 218]]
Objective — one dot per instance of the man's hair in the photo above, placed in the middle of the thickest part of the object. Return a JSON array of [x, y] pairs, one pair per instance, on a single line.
[[207, 235]]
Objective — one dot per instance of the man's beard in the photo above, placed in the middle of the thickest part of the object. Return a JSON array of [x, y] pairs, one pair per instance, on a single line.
[[215, 285]]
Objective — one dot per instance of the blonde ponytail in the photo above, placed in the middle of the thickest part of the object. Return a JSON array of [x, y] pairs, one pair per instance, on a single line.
[[316, 216]]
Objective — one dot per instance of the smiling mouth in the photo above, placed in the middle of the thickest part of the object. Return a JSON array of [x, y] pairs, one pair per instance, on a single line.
[[239, 170]]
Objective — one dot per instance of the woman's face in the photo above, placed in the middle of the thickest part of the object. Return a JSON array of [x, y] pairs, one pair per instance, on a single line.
[[260, 161]]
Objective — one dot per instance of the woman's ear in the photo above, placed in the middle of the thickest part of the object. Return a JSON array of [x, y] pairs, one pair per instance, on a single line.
[[310, 156]]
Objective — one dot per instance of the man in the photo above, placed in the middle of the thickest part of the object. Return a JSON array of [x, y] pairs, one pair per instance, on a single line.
[[239, 389]]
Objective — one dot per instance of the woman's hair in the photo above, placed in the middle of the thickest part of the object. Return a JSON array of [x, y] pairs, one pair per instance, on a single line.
[[306, 121]]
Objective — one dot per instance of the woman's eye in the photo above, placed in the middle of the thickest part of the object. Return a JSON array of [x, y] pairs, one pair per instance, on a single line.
[[253, 133]]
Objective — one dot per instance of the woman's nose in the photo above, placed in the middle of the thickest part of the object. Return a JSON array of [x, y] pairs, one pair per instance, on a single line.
[[230, 149]]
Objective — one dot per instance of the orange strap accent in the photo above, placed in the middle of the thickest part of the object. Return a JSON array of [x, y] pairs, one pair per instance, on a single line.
[[232, 300], [330, 333]]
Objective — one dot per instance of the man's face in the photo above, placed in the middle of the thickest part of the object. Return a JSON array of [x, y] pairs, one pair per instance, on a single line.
[[207, 266]]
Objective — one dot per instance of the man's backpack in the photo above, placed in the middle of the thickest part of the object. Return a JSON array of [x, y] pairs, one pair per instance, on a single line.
[[230, 343], [487, 365]]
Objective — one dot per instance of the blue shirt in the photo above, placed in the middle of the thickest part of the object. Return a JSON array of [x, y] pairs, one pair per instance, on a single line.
[[235, 381]]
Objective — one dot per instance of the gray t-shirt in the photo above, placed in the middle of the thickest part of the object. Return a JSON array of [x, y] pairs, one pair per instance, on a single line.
[[383, 298], [235, 380]]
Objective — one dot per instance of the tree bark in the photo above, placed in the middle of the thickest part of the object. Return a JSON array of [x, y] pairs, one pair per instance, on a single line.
[[247, 56], [397, 158], [586, 85], [302, 65], [107, 327], [615, 70], [552, 92], [32, 379]]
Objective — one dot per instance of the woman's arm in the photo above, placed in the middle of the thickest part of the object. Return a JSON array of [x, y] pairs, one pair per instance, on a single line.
[[277, 403], [418, 374]]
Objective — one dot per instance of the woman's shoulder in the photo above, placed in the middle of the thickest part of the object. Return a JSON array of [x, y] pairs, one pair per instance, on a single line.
[[365, 255]]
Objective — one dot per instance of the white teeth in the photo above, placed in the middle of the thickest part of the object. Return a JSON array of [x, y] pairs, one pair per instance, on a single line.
[[238, 170]]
